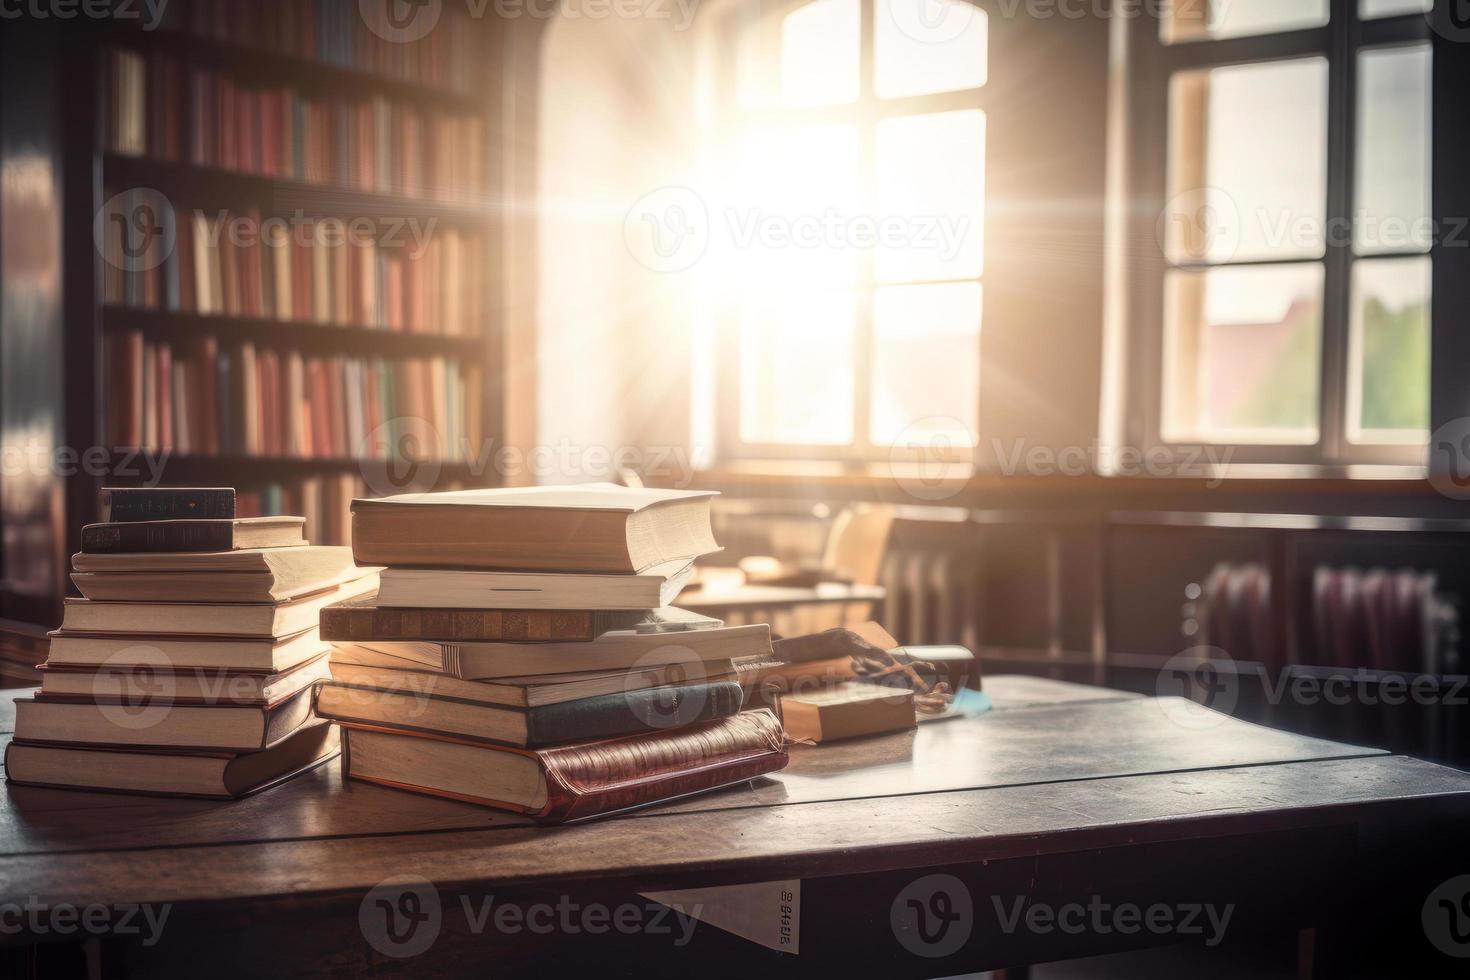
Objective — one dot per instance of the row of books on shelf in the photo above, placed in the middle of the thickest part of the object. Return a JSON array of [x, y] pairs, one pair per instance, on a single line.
[[342, 32], [209, 398], [159, 108], [302, 271], [325, 502]]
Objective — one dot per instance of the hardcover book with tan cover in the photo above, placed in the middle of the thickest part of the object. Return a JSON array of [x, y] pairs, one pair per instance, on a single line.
[[72, 650], [214, 775], [452, 588], [622, 650], [848, 711], [360, 667], [364, 619], [126, 724], [594, 527], [206, 617], [574, 781], [185, 686], [252, 575]]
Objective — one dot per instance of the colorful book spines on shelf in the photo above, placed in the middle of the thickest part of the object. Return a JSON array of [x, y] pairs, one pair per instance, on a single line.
[[249, 401], [304, 271], [335, 32], [368, 143], [325, 501]]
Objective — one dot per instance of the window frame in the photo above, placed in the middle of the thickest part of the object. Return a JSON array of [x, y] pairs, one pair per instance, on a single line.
[[1151, 64], [864, 114]]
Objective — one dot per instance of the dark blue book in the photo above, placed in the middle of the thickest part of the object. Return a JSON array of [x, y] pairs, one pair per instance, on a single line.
[[126, 505], [605, 716]]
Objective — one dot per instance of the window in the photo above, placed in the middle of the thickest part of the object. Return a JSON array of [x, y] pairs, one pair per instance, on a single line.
[[850, 150], [1292, 148]]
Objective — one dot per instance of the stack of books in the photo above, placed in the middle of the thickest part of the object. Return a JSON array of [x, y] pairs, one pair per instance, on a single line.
[[521, 652], [188, 668]]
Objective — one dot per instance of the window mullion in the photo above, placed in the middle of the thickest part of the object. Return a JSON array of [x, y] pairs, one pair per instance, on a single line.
[[1336, 301], [866, 273]]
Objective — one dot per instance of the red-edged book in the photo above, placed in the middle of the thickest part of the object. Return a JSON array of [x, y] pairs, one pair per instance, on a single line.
[[570, 782]]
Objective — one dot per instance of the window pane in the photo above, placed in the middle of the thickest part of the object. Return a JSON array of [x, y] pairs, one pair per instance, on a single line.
[[819, 54], [1201, 20], [931, 196], [923, 46], [796, 369], [1248, 162], [1242, 354], [926, 361], [1369, 9], [1389, 395], [786, 226], [1393, 150]]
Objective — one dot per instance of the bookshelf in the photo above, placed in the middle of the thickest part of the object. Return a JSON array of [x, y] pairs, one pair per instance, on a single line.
[[309, 56]]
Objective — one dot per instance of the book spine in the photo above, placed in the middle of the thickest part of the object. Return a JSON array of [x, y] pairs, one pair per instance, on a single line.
[[606, 777], [349, 623], [164, 536], [630, 712], [130, 505]]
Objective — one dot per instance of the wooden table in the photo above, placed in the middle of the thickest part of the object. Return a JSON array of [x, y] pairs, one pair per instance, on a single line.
[[1063, 795]]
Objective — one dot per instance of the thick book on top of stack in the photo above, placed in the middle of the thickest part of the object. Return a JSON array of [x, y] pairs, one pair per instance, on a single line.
[[591, 528], [574, 781]]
